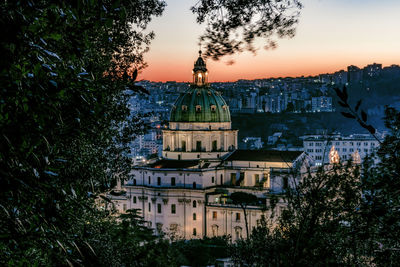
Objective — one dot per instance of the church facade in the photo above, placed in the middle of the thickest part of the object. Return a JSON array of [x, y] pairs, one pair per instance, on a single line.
[[185, 194]]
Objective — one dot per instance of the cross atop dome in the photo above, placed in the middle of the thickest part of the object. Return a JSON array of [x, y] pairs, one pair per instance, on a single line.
[[200, 74]]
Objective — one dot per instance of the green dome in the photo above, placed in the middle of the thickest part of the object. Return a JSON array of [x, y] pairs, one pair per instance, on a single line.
[[200, 104]]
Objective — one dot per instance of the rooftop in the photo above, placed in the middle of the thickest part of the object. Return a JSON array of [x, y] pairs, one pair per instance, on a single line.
[[264, 155]]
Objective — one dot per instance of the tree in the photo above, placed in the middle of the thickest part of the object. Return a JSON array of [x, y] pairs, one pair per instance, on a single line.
[[65, 83], [233, 26], [244, 199]]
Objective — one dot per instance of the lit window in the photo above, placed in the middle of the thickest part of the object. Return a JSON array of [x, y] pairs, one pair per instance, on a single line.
[[184, 108], [198, 108], [213, 108], [214, 215]]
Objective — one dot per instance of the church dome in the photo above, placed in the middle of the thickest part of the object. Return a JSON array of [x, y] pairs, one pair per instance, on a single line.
[[200, 104]]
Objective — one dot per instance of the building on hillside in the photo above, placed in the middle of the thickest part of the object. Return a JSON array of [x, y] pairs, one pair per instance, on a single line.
[[354, 74], [318, 147], [321, 104], [185, 194]]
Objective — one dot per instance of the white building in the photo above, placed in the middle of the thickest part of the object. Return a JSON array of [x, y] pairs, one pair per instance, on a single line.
[[319, 146], [186, 193]]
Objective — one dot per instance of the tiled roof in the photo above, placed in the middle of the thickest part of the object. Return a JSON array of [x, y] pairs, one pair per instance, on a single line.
[[264, 155], [173, 164]]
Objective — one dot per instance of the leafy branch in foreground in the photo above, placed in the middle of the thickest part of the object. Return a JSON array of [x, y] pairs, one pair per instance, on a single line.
[[355, 113], [234, 26]]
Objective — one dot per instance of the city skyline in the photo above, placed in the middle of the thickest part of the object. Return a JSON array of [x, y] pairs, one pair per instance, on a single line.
[[331, 35]]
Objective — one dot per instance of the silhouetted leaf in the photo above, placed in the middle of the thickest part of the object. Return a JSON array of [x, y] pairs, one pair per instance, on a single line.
[[345, 95], [345, 105], [370, 129], [363, 115], [134, 75], [348, 115], [358, 105]]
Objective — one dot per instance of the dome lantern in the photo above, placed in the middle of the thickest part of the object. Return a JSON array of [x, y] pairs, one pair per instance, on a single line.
[[200, 74]]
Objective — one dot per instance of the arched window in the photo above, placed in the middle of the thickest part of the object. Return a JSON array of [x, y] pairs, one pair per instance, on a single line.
[[158, 180], [194, 231], [134, 181], [194, 185], [134, 200], [172, 181], [149, 180], [194, 203], [194, 216], [212, 179], [222, 179], [198, 108]]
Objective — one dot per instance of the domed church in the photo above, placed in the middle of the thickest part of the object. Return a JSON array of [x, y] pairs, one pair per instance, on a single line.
[[186, 193], [200, 122]]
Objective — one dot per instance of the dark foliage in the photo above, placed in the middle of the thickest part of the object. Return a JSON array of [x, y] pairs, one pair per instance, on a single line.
[[233, 26]]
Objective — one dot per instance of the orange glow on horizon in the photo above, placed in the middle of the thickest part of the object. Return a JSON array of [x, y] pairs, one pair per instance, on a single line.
[[221, 72]]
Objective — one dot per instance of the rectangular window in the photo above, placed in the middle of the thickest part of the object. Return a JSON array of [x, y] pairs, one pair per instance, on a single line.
[[149, 207], [159, 208], [172, 181], [198, 145], [214, 215], [214, 145], [184, 146], [285, 182], [256, 179], [173, 209], [237, 216], [233, 178]]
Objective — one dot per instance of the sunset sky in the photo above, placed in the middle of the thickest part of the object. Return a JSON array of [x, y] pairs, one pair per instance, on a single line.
[[331, 35]]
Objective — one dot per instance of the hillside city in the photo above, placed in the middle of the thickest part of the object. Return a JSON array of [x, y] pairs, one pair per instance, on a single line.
[[303, 96]]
